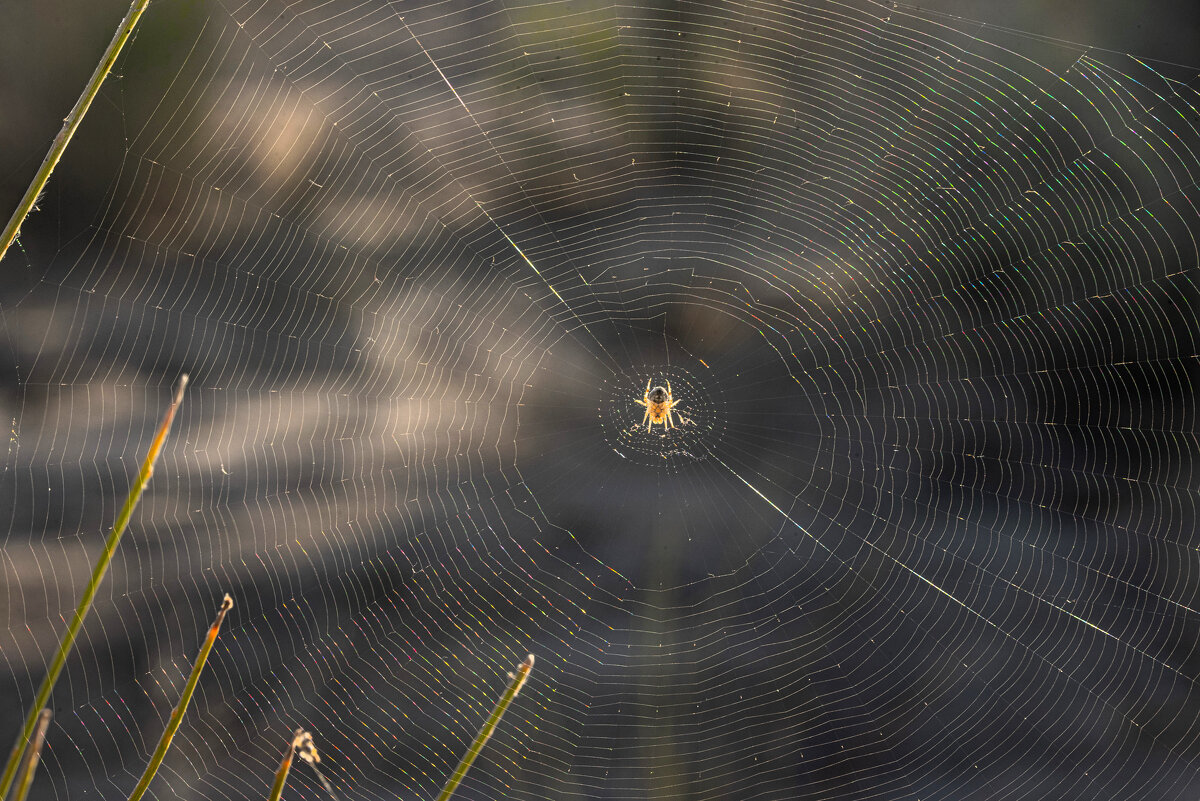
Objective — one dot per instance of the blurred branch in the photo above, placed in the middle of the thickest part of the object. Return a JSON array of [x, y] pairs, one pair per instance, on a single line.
[[63, 139]]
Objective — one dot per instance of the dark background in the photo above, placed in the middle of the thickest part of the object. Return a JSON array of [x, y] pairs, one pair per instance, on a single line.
[[921, 277]]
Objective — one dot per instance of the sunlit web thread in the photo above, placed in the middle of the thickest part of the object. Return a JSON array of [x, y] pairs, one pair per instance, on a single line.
[[936, 511], [614, 365], [957, 601], [922, 13], [868, 356]]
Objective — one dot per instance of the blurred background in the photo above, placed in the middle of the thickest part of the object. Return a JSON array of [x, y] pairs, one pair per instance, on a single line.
[[921, 278]]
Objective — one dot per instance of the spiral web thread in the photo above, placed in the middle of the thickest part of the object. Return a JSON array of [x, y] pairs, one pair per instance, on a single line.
[[925, 293]]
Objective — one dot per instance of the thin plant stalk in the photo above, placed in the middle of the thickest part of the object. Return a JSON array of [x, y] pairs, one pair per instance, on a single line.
[[489, 726], [33, 753], [68, 130], [89, 592], [304, 747], [164, 742], [285, 765]]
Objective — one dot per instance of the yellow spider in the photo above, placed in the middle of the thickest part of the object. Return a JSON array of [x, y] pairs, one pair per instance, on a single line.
[[658, 403]]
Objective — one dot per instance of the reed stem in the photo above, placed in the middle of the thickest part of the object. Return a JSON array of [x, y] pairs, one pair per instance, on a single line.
[[33, 753], [89, 593], [285, 765], [489, 726], [68, 130], [164, 742]]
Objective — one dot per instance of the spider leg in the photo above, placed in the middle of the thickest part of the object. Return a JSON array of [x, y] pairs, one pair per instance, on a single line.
[[670, 422], [646, 417], [668, 394]]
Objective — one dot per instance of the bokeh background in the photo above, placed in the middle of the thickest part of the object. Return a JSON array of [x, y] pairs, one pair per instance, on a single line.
[[921, 277]]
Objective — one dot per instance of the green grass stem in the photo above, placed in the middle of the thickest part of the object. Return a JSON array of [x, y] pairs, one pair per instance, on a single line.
[[33, 753], [489, 726], [89, 593], [68, 129], [164, 742], [285, 765]]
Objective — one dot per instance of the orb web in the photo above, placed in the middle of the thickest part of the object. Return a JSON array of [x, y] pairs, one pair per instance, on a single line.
[[697, 416], [925, 293]]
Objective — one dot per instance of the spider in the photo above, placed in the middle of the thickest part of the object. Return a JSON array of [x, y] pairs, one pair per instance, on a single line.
[[658, 403]]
